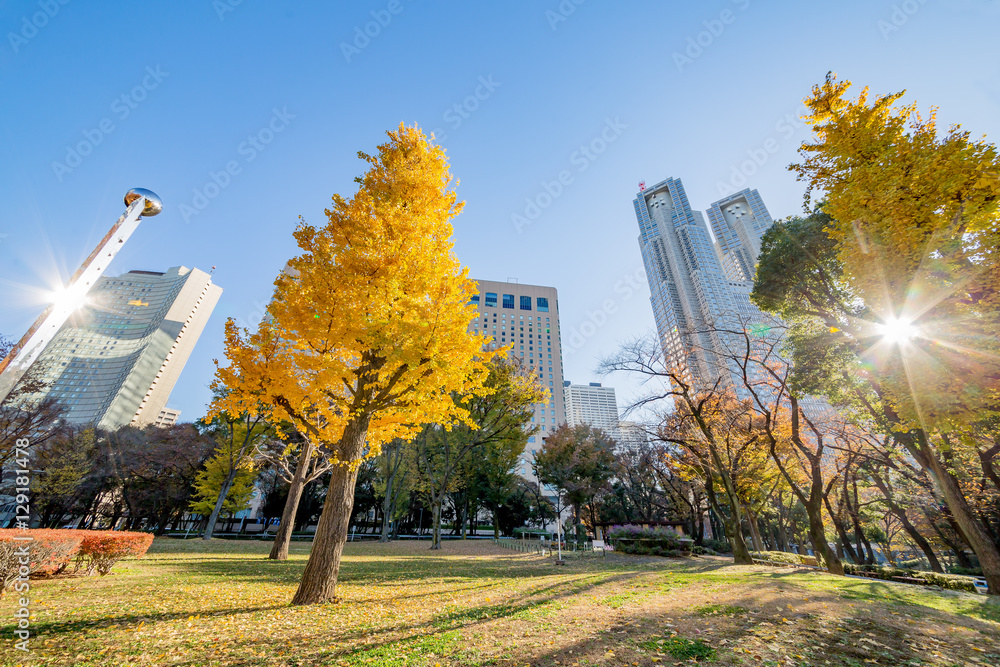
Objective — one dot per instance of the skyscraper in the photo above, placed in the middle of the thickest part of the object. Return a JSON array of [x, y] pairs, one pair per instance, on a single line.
[[527, 317], [692, 295], [591, 404], [140, 202], [115, 361], [738, 223]]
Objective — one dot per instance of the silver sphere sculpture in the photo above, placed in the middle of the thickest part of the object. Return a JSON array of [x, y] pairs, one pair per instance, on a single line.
[[153, 204]]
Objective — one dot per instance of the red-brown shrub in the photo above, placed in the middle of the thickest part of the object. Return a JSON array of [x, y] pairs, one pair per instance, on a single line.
[[100, 550], [49, 551]]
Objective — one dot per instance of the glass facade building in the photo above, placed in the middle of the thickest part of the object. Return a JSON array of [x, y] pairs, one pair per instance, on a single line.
[[693, 296], [115, 361]]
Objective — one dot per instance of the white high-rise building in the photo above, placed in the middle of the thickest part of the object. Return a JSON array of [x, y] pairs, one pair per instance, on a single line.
[[591, 404], [527, 317], [692, 295], [115, 361]]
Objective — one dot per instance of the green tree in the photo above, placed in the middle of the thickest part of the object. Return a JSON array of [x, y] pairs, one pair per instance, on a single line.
[[497, 419], [227, 476], [898, 302], [577, 460]]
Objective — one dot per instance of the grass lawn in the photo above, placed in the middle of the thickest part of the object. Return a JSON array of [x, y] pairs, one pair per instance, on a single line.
[[223, 603]]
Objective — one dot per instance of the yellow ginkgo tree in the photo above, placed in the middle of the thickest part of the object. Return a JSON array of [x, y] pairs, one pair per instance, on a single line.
[[368, 333]]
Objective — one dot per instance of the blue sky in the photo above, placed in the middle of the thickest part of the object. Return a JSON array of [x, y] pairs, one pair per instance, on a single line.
[[164, 95]]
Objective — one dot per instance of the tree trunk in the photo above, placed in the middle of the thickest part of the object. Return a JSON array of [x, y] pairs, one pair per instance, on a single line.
[[972, 529], [283, 538], [845, 542], [436, 521], [319, 580], [387, 503], [758, 543], [223, 492], [731, 523], [914, 534]]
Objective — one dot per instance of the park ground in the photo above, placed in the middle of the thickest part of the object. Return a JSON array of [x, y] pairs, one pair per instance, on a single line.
[[473, 603]]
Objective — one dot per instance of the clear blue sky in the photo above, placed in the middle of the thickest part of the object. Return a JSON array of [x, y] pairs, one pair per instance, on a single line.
[[198, 80]]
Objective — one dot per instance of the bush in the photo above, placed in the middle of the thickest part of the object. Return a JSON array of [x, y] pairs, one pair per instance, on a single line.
[[721, 546], [778, 557], [656, 541], [967, 571], [49, 551], [952, 582], [100, 550]]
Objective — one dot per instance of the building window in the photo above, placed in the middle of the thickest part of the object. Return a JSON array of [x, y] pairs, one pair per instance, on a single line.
[[543, 304], [525, 303], [475, 299], [491, 299], [508, 301]]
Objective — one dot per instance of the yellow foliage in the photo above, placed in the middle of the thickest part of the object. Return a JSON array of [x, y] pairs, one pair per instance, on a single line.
[[916, 219], [370, 323]]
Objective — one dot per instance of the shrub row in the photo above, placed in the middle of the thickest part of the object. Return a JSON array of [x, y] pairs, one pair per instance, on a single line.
[[656, 541], [47, 552], [50, 551], [952, 582], [778, 557]]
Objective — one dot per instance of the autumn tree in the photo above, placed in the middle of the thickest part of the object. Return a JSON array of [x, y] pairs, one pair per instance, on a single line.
[[896, 303], [26, 415], [367, 335], [239, 425], [225, 485], [295, 460], [703, 422]]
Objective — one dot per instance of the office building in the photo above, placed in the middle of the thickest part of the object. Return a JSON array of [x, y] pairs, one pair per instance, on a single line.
[[692, 295], [26, 351], [116, 359], [738, 223], [527, 317], [167, 417], [591, 404], [631, 436]]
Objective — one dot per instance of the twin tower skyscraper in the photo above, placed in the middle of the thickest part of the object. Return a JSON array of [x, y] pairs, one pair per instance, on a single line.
[[700, 289]]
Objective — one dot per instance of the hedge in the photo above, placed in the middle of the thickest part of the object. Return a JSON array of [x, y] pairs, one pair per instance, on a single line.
[[655, 541], [952, 582], [48, 551], [100, 550], [778, 557]]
